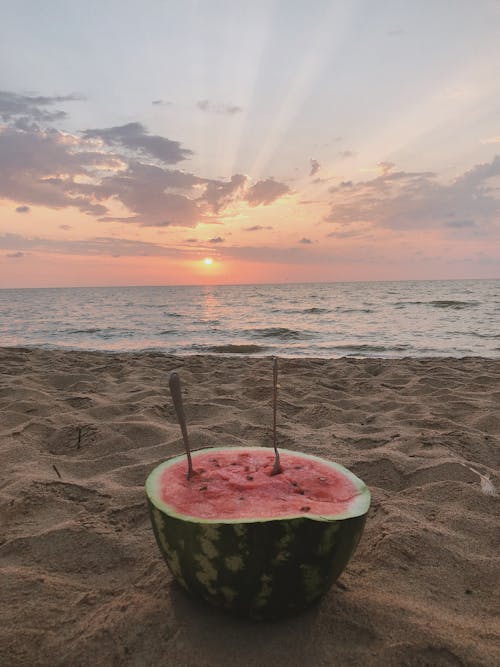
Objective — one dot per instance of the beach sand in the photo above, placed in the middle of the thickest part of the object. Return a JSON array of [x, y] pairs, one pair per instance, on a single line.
[[82, 581]]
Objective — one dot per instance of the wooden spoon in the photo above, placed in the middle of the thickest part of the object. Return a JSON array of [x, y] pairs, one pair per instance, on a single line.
[[175, 390]]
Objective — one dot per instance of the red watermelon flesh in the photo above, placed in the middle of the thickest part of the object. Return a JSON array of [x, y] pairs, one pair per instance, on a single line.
[[237, 483]]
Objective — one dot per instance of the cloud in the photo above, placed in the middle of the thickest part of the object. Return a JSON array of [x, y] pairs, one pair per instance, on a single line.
[[162, 103], [346, 154], [101, 167], [266, 192], [315, 167], [40, 167], [31, 107], [216, 107], [217, 239], [305, 241], [417, 200], [218, 194], [98, 246], [256, 228], [491, 140], [15, 255], [155, 196], [135, 137]]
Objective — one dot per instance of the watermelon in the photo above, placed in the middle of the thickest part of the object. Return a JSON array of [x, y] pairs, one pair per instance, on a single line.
[[259, 545]]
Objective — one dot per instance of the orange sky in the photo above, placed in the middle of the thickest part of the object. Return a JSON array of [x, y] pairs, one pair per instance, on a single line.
[[322, 144]]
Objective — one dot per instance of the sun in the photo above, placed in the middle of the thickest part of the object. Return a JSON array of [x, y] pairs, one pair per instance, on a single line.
[[208, 261]]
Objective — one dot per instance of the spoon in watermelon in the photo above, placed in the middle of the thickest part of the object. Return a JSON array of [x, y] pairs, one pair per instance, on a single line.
[[174, 384], [277, 469]]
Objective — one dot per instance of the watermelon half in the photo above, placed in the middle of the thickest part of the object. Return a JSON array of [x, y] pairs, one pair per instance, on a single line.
[[256, 544]]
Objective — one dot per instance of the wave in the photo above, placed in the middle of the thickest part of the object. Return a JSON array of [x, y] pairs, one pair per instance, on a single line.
[[72, 332], [282, 333], [366, 348], [342, 309], [315, 311], [301, 311], [233, 349], [483, 335], [454, 305], [440, 303]]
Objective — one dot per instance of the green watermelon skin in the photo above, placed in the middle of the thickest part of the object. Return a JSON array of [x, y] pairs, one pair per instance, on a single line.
[[261, 569]]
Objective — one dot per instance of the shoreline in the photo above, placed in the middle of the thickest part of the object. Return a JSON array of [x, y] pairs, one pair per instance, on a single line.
[[80, 430]]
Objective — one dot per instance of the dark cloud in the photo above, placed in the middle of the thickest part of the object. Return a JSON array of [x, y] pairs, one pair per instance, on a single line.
[[217, 239], [15, 255], [266, 192], [216, 107], [155, 196], [135, 137], [256, 228], [417, 200], [31, 107], [218, 194], [305, 241], [315, 167], [40, 167], [162, 103], [345, 234]]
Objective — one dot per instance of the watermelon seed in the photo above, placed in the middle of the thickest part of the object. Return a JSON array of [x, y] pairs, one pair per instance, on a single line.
[[305, 509], [203, 488], [322, 479], [250, 478], [294, 483], [241, 498]]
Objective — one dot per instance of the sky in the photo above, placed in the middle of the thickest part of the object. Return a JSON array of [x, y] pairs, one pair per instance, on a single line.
[[246, 141]]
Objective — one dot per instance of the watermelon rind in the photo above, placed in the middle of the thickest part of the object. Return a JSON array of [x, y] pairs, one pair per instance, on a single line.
[[261, 568]]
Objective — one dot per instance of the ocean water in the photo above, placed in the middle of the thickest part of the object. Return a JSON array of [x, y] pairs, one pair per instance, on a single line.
[[362, 319]]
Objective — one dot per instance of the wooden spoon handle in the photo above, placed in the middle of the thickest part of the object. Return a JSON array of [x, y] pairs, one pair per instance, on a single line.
[[277, 465], [174, 384]]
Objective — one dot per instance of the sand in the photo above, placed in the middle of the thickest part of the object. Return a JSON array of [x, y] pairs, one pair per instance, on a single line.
[[82, 581]]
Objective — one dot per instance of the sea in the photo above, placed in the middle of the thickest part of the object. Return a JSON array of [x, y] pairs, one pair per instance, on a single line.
[[355, 319]]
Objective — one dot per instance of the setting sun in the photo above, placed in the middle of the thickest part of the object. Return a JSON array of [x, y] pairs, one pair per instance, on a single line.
[[208, 261]]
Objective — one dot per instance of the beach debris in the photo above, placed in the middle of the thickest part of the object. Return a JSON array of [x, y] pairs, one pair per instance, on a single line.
[[487, 486], [277, 469], [174, 384], [56, 471]]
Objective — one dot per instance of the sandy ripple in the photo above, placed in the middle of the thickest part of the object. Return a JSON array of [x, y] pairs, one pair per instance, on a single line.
[[82, 580]]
